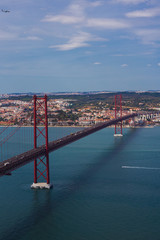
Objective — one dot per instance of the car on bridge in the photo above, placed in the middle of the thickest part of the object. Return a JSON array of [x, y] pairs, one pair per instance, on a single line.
[[6, 163]]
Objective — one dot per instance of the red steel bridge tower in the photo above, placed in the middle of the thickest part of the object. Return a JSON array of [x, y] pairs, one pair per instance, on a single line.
[[41, 164], [118, 113]]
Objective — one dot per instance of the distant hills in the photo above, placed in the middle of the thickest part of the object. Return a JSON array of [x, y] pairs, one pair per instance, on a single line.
[[75, 93]]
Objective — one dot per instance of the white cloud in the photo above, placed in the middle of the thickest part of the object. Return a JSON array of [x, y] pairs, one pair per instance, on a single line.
[[130, 1], [75, 13], [77, 41], [76, 16], [107, 23], [64, 19], [149, 65], [158, 64], [76, 9], [96, 4], [70, 45], [33, 38], [7, 35], [97, 63], [80, 6], [148, 36], [124, 65], [152, 12]]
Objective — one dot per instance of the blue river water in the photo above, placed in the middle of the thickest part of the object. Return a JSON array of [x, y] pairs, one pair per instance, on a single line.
[[105, 188]]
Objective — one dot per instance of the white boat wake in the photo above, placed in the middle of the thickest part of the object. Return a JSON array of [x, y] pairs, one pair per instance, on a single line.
[[136, 167]]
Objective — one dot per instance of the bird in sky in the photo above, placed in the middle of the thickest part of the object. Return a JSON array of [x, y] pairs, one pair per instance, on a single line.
[[5, 11]]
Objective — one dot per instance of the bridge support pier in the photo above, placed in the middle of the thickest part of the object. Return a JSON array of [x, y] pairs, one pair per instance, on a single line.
[[41, 164], [41, 186], [118, 113]]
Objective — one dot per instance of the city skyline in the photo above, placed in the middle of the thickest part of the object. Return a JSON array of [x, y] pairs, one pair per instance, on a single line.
[[70, 46]]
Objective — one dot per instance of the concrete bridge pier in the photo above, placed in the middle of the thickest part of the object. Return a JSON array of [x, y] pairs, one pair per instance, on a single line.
[[41, 185], [118, 135]]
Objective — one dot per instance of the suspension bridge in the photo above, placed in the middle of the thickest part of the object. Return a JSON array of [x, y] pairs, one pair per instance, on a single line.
[[40, 153]]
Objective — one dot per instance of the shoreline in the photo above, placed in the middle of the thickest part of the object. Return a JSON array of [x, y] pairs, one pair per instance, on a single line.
[[149, 126]]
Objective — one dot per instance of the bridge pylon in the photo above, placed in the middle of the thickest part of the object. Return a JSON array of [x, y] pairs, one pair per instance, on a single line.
[[41, 164], [118, 113]]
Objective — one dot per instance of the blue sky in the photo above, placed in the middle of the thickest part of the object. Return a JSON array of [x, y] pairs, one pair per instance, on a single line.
[[79, 45]]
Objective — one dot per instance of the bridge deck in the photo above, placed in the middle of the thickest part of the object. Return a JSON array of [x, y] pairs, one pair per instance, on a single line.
[[18, 161]]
